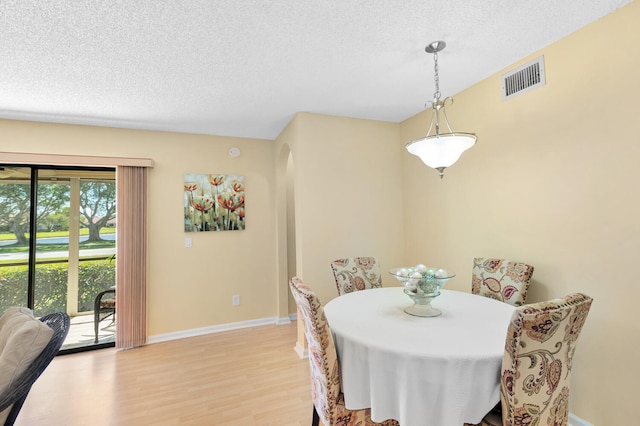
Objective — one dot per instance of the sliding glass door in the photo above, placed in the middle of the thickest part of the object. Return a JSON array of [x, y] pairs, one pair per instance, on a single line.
[[70, 212]]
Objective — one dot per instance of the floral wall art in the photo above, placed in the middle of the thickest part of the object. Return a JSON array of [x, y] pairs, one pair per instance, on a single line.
[[213, 202]]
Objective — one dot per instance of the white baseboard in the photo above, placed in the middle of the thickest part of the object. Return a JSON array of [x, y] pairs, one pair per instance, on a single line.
[[577, 421], [218, 328], [282, 321]]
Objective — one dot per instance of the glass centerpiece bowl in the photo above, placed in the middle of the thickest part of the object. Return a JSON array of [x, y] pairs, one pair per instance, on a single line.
[[422, 284]]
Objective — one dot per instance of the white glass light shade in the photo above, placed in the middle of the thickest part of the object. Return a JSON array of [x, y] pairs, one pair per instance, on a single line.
[[441, 151]]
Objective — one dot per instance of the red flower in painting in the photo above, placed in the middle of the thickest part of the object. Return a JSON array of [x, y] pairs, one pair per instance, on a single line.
[[216, 180], [202, 203], [230, 201], [190, 186], [237, 186]]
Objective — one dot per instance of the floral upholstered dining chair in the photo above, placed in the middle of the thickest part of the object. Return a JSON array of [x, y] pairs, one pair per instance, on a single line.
[[328, 401], [501, 279], [356, 273], [536, 368]]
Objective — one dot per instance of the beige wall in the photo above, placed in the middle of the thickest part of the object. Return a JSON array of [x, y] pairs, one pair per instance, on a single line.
[[347, 175], [554, 180], [188, 288]]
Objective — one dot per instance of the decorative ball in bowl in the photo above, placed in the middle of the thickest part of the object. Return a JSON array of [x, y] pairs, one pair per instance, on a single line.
[[422, 284]]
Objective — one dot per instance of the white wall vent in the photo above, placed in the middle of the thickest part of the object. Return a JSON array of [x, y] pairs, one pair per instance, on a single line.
[[523, 79]]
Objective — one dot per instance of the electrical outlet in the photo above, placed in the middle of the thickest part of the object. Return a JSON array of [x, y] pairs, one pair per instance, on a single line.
[[187, 242], [235, 300]]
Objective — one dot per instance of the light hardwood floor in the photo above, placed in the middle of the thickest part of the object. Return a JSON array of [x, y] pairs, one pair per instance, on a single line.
[[242, 377]]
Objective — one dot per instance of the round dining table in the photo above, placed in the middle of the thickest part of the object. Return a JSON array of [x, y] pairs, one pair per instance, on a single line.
[[421, 371]]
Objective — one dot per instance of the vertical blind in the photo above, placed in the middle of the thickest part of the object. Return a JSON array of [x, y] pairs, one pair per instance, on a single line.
[[131, 255]]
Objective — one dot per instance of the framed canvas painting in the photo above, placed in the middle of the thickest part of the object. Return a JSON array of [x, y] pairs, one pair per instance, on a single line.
[[213, 202]]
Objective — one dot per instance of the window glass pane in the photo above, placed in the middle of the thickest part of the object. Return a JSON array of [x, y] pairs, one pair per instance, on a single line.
[[97, 239], [15, 189], [52, 245]]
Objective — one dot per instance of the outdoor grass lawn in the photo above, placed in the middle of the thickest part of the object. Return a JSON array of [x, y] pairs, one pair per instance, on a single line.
[[11, 248], [83, 231]]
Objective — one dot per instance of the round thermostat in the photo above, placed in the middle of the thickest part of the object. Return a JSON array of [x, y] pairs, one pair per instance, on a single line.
[[234, 152]]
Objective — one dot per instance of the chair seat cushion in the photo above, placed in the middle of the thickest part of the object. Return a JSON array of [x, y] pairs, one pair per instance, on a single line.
[[108, 303], [22, 338]]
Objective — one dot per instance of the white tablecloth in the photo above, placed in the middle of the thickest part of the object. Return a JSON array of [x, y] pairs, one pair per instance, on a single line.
[[437, 371]]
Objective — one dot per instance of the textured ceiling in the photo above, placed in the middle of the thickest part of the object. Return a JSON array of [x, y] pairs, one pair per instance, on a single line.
[[244, 68]]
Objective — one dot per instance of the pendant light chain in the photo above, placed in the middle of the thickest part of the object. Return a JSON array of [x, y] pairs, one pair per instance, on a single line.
[[436, 77]]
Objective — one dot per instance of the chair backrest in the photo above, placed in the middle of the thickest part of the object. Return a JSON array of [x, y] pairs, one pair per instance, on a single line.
[[536, 368], [356, 273], [15, 395], [323, 360], [501, 279]]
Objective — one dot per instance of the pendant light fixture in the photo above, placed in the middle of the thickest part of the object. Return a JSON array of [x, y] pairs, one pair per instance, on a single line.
[[442, 146]]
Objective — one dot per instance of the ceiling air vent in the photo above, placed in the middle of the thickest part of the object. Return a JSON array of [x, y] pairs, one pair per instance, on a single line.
[[523, 79]]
